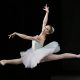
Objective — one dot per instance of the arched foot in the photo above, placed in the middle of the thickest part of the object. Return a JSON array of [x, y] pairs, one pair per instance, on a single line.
[[3, 62]]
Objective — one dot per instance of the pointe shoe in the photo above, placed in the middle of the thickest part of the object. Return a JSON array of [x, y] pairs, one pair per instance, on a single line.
[[3, 62], [78, 55]]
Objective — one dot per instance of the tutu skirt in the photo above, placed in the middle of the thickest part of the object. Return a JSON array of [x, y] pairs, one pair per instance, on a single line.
[[31, 58]]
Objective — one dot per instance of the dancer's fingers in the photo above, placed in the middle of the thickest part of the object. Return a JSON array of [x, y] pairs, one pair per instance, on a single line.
[[44, 9], [9, 36]]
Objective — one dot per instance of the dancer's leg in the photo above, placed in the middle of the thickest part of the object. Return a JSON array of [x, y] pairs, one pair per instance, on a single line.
[[12, 61], [51, 57]]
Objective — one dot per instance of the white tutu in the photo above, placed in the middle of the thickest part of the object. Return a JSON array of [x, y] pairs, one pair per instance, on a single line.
[[31, 58]]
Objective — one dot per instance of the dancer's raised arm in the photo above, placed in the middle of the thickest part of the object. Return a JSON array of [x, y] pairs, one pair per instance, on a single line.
[[45, 20], [23, 36]]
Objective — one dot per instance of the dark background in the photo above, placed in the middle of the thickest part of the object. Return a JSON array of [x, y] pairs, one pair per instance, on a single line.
[[26, 17]]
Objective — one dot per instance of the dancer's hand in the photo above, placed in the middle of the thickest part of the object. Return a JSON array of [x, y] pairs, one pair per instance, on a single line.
[[12, 35], [46, 8]]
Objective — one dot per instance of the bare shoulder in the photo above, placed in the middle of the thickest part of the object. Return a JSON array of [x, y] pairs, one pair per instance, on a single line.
[[39, 38]]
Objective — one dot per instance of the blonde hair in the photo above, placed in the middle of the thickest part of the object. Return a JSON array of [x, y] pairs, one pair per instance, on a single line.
[[51, 30]]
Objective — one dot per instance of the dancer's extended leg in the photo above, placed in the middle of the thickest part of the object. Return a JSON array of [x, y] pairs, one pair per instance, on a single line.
[[12, 61], [51, 57]]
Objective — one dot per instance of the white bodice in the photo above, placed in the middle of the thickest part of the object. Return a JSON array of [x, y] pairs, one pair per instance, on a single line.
[[36, 45]]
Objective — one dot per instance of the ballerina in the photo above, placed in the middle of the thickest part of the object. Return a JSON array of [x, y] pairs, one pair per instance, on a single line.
[[38, 52]]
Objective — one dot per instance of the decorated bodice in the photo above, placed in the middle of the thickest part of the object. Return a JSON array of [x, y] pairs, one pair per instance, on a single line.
[[36, 45]]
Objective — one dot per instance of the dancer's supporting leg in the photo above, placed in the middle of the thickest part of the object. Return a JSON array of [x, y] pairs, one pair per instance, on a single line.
[[12, 61], [51, 57]]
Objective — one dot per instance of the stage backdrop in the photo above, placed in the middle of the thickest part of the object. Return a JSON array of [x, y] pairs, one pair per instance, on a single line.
[[26, 17]]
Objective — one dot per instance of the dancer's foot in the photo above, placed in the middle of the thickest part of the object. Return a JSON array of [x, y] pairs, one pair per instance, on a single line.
[[3, 62], [78, 56]]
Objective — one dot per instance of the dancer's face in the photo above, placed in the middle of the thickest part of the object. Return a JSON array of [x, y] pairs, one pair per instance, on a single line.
[[46, 29]]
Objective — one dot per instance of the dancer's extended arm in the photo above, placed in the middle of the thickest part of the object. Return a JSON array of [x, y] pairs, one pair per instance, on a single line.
[[45, 20], [23, 36]]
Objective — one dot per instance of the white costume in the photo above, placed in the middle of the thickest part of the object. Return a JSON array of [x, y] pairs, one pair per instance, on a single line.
[[34, 55]]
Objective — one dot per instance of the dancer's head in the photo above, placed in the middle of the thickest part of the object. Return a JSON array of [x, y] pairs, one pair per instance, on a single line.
[[48, 29]]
